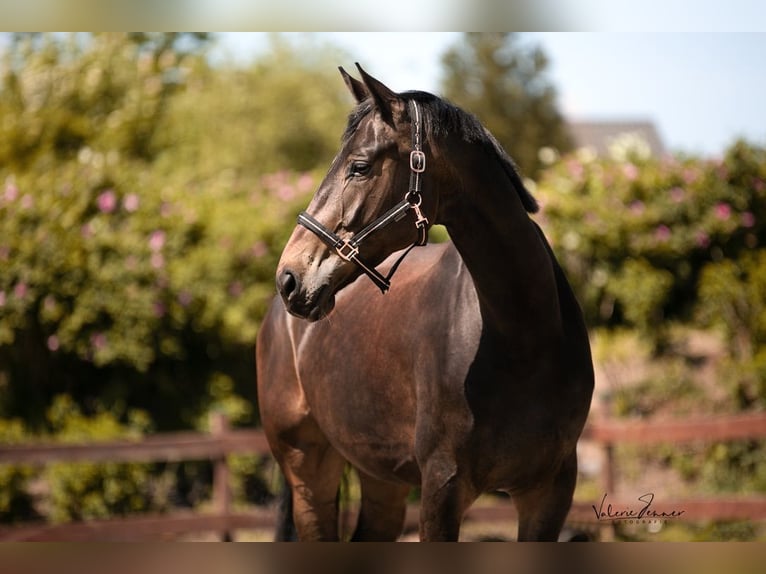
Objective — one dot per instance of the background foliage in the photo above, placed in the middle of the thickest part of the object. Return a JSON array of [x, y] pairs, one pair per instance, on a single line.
[[144, 199], [145, 196], [503, 82], [649, 241]]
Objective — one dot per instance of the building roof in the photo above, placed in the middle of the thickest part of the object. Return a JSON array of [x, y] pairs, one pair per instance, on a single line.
[[600, 135]]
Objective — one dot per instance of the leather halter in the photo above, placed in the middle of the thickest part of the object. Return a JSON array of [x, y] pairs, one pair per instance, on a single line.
[[348, 249]]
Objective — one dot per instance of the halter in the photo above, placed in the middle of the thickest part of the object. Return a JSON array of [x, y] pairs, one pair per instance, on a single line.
[[348, 249]]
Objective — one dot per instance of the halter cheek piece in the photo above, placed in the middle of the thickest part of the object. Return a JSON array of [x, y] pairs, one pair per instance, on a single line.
[[348, 249]]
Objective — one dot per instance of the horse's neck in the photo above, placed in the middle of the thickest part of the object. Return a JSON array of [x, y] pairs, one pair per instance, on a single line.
[[506, 256]]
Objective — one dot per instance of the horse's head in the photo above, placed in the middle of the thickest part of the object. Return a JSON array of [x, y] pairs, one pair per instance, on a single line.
[[367, 206]]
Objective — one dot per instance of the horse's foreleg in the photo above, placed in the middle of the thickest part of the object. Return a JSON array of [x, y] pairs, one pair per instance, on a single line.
[[313, 470], [445, 497], [384, 505], [543, 510]]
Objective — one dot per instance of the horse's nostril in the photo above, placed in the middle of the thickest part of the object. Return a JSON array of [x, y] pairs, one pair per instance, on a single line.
[[287, 284]]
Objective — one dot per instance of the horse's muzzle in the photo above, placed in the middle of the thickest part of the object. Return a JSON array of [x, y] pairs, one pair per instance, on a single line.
[[310, 306]]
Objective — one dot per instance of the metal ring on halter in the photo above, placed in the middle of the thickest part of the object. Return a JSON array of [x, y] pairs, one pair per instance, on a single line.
[[414, 198]]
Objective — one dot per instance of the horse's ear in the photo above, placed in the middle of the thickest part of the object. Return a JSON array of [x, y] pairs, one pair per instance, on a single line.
[[357, 88], [384, 97]]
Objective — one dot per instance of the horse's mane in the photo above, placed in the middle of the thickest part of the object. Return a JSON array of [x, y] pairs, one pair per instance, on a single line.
[[441, 118]]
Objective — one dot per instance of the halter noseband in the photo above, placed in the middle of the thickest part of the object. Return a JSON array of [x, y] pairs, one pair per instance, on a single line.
[[348, 249]]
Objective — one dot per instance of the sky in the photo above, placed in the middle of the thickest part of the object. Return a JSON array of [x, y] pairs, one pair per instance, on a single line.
[[701, 90]]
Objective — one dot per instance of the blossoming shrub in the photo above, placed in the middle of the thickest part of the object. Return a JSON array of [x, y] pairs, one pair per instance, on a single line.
[[140, 225], [125, 294], [138, 228], [652, 242], [103, 267], [635, 235]]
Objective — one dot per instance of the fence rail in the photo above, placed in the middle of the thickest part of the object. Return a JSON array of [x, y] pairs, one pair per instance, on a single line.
[[223, 441], [708, 429]]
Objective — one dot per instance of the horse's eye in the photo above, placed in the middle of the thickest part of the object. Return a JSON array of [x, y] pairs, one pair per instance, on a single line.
[[359, 168]]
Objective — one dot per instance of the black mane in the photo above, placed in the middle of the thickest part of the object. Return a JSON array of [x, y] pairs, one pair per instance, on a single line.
[[441, 118]]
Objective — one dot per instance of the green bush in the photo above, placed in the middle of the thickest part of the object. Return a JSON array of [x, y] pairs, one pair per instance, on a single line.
[[140, 217], [101, 268], [653, 245], [86, 490], [733, 298], [635, 233], [15, 500]]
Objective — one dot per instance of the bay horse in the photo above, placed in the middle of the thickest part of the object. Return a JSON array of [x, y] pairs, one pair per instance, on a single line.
[[473, 374]]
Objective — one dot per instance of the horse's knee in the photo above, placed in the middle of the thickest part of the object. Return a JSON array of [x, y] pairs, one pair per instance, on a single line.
[[543, 510], [383, 510], [445, 497], [313, 473]]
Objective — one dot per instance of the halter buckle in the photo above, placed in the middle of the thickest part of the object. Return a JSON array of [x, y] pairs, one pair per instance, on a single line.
[[347, 250], [417, 161]]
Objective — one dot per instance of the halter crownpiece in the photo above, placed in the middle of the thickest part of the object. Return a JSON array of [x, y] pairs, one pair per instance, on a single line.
[[348, 249]]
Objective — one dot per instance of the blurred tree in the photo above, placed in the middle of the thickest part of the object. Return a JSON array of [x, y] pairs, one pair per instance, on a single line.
[[61, 93], [503, 82], [286, 111]]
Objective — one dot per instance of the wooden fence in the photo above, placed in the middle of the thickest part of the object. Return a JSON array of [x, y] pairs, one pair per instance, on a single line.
[[223, 441]]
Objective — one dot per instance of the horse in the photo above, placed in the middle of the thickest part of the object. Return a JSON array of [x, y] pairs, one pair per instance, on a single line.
[[467, 372]]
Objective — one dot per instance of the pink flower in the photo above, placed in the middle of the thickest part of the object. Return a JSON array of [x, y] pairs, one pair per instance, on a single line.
[[131, 202], [637, 207], [305, 183], [20, 290], [748, 219], [236, 289], [286, 192], [2, 298], [690, 176], [157, 240], [11, 192], [575, 168], [5, 253], [630, 171], [662, 233], [703, 239], [53, 343], [131, 262], [259, 249], [273, 181], [723, 211], [107, 201], [98, 341], [86, 231], [677, 194], [159, 309], [27, 202], [157, 261], [185, 298]]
